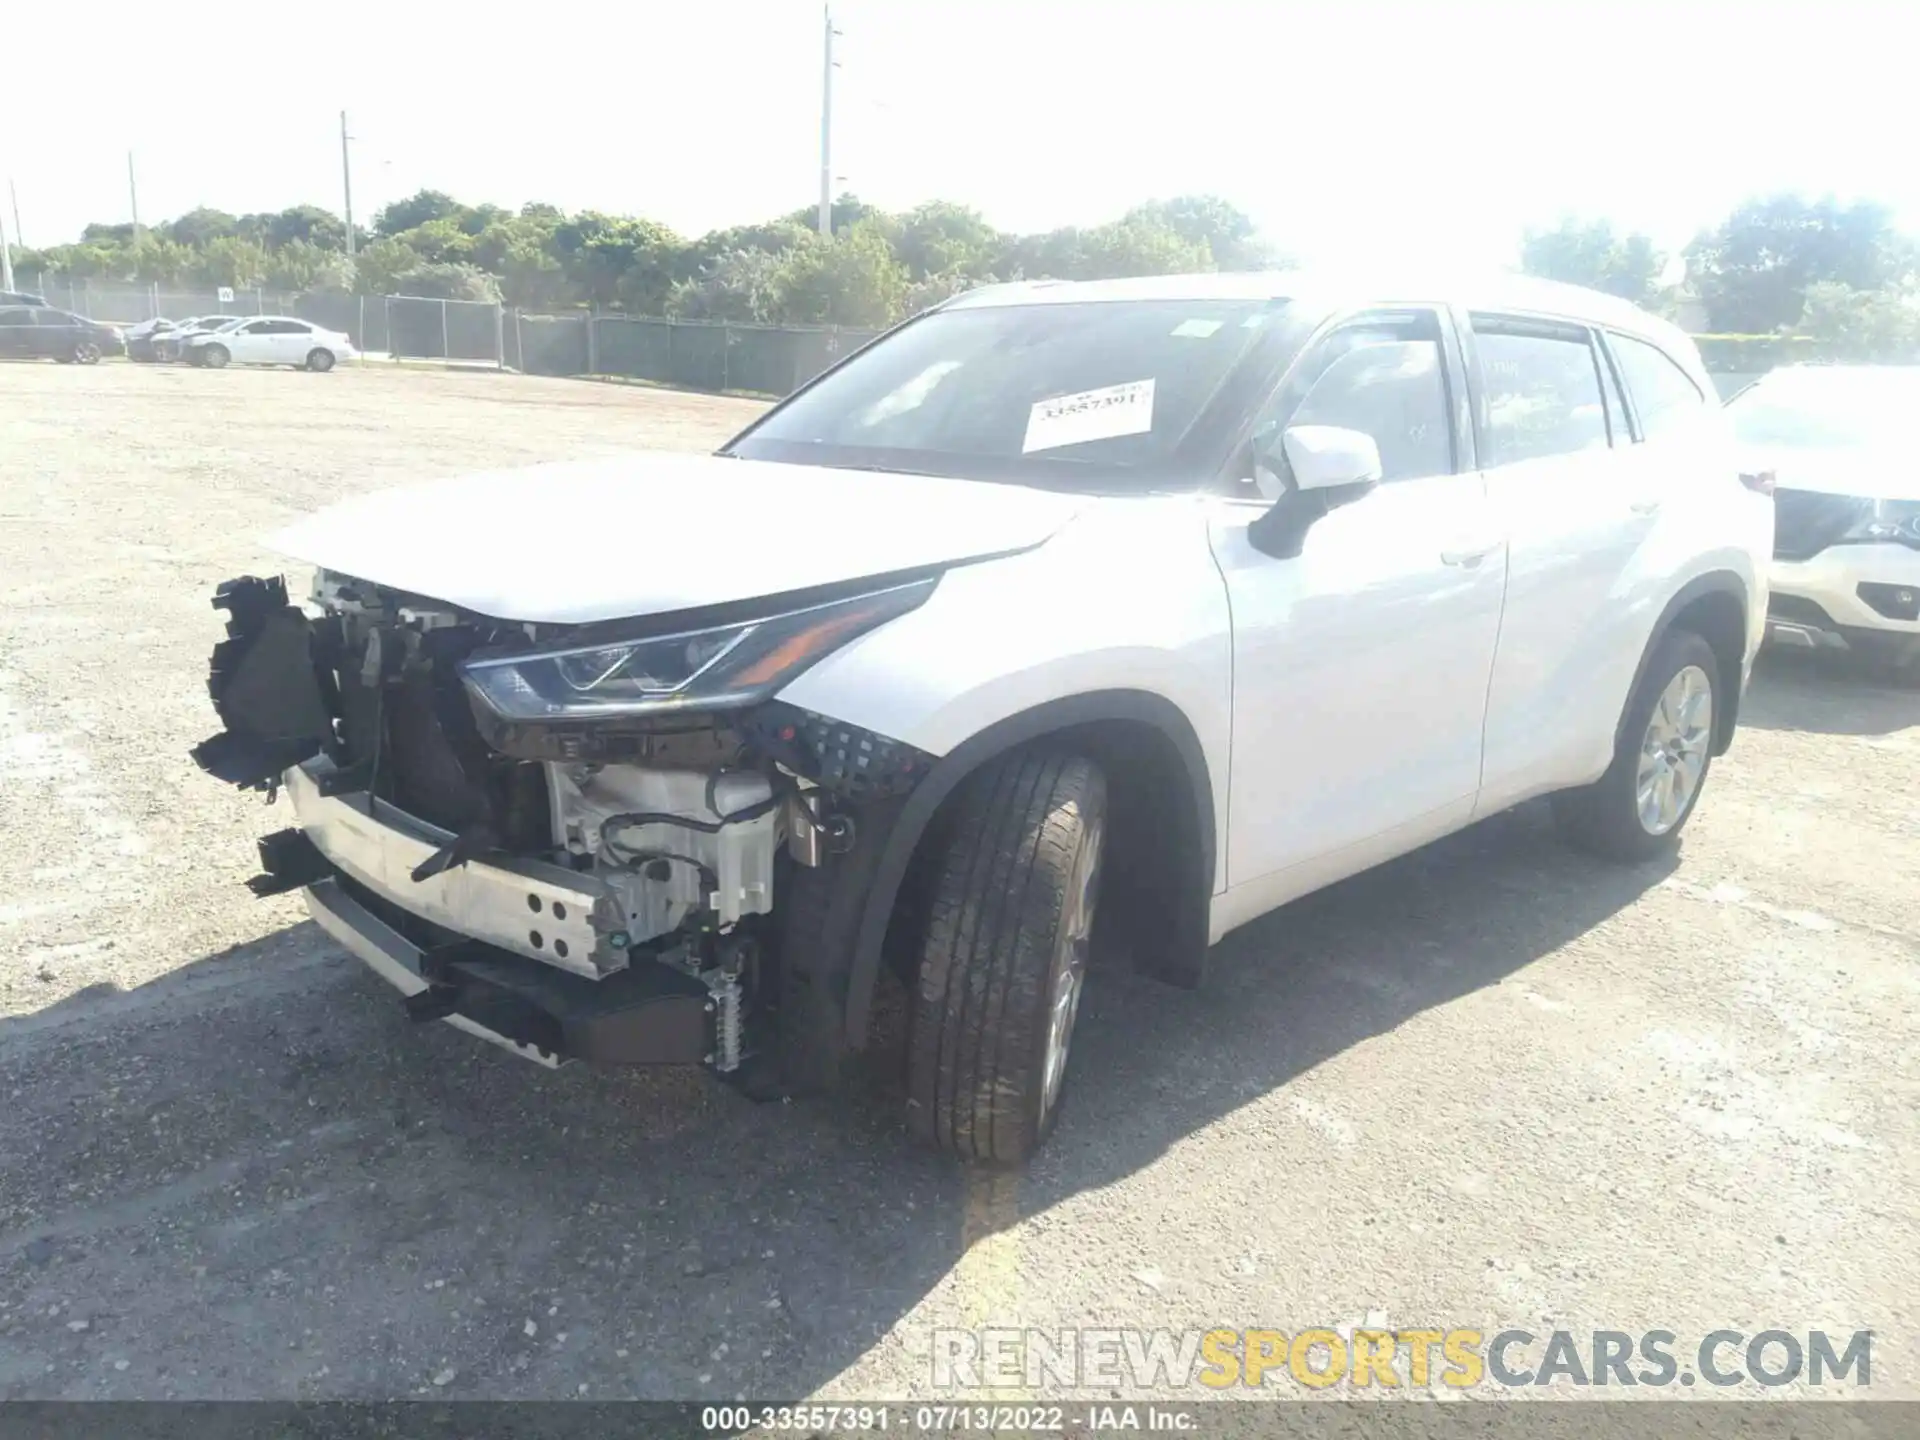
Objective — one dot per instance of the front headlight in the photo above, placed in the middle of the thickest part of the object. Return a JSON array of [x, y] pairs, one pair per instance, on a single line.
[[1895, 520], [723, 667]]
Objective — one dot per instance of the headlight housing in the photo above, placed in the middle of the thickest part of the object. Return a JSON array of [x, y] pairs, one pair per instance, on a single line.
[[721, 667], [1889, 520]]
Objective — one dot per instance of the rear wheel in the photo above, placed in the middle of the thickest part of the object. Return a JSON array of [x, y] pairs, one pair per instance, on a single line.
[[1638, 808], [320, 361], [1004, 960], [215, 356]]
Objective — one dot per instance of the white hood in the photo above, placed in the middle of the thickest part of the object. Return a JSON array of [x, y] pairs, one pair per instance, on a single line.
[[647, 534]]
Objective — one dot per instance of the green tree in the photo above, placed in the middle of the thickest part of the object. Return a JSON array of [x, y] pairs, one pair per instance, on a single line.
[[379, 264], [612, 259], [1139, 246], [416, 210], [744, 286], [1878, 325], [843, 214], [1231, 237], [229, 260], [439, 242], [448, 282], [1589, 253], [851, 279], [303, 267], [200, 225], [941, 238], [1753, 271], [308, 224]]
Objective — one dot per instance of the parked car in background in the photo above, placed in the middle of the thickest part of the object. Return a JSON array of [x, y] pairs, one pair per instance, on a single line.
[[141, 338], [270, 340], [39, 332], [21, 297], [1846, 550], [170, 344], [1220, 587]]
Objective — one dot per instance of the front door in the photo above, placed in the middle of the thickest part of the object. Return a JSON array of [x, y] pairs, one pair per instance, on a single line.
[[1360, 665]]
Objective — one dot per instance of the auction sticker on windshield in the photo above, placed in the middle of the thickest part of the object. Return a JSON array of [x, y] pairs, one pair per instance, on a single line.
[[1090, 415]]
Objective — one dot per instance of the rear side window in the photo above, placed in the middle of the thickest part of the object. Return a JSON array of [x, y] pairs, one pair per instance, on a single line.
[[1541, 392], [1664, 396], [16, 317]]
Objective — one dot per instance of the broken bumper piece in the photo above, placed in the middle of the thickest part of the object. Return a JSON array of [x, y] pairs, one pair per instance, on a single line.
[[547, 913], [650, 1015], [522, 954]]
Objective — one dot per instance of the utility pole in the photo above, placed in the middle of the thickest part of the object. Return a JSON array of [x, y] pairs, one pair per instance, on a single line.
[[133, 194], [346, 180], [6, 260], [19, 235], [826, 128]]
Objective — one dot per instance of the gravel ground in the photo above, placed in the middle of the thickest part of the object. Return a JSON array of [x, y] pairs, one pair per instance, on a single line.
[[1487, 1085]]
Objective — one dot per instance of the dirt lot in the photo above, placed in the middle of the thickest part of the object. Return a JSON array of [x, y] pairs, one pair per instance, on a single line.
[[1488, 1085]]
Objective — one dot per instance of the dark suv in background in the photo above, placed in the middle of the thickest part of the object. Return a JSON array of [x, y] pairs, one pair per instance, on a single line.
[[39, 332]]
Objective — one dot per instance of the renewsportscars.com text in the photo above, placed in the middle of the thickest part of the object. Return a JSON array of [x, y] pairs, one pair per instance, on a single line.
[[1319, 1358]]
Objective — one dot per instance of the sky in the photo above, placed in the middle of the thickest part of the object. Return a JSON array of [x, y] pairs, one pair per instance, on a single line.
[[1351, 130]]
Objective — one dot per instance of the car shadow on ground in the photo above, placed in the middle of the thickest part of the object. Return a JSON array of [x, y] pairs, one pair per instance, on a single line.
[[297, 1193], [1829, 695]]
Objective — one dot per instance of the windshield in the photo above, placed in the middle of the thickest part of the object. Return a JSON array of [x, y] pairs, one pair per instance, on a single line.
[[1095, 395], [1838, 409]]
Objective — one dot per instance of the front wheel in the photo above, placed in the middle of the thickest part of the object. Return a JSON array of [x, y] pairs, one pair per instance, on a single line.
[[320, 361], [215, 356], [1638, 808], [1004, 959], [85, 352]]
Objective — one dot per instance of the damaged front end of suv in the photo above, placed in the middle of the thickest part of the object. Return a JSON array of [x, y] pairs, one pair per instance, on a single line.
[[562, 838]]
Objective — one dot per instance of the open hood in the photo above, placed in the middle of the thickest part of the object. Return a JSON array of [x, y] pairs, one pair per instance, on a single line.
[[648, 534]]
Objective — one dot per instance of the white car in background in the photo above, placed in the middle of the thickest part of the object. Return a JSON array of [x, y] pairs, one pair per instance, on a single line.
[[270, 340], [1846, 550]]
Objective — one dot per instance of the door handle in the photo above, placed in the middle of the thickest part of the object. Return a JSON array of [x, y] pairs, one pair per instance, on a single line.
[[1468, 555]]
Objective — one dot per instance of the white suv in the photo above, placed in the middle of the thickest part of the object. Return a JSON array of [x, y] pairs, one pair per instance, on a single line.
[[1846, 553], [1063, 619]]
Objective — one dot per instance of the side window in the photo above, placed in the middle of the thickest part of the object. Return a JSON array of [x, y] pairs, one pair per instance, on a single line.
[[258, 327], [1542, 392], [16, 317], [1385, 380], [1664, 396]]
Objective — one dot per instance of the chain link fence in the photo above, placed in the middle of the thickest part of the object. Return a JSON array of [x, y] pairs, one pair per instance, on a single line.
[[697, 355]]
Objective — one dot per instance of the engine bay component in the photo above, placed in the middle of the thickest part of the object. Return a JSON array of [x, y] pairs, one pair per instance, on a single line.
[[677, 846]]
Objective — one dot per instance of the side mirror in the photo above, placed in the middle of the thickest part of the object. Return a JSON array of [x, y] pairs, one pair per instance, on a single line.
[[1324, 466], [1330, 457]]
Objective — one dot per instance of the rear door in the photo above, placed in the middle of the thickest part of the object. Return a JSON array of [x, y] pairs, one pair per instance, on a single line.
[[292, 340], [1555, 441]]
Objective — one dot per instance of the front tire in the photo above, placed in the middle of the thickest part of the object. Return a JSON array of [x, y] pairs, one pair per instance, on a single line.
[[1639, 807], [1004, 959], [85, 352], [320, 361], [214, 357]]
